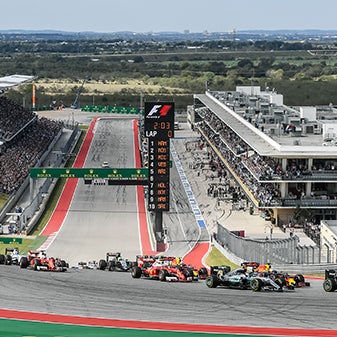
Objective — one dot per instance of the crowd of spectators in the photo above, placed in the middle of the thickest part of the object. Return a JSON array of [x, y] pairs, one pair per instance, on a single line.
[[254, 170], [24, 150], [13, 118], [246, 164]]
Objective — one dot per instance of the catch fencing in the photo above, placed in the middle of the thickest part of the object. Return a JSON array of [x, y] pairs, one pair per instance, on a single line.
[[276, 251]]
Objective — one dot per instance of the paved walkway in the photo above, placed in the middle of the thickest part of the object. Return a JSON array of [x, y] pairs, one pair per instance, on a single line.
[[234, 217]]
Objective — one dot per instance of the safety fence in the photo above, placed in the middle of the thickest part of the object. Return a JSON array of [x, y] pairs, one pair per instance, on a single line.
[[30, 214], [35, 208], [276, 251]]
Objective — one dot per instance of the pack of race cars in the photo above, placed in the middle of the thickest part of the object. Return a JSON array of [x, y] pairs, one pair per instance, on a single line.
[[166, 268], [250, 275], [36, 260]]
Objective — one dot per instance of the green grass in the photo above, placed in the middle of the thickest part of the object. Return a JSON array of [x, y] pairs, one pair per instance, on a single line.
[[3, 199], [22, 247], [216, 258]]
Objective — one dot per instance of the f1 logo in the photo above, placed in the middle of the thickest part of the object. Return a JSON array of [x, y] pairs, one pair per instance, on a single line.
[[159, 110]]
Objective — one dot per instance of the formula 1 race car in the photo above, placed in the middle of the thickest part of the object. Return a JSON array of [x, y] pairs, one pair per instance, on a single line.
[[241, 278], [145, 261], [288, 281], [38, 260], [12, 256], [87, 265], [114, 261], [330, 281], [164, 268]]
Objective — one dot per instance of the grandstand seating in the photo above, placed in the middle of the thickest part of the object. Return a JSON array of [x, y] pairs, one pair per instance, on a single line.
[[23, 139]]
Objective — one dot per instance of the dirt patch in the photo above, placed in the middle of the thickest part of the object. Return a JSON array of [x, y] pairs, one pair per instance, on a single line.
[[54, 86]]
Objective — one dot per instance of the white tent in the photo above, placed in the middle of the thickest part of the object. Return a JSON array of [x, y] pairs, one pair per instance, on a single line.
[[12, 80]]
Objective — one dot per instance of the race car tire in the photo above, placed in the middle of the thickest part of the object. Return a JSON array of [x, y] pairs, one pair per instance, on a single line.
[[8, 260], [24, 263], [64, 264], [330, 285], [162, 275], [2, 259], [280, 281], [299, 278], [136, 272], [111, 266], [203, 271], [102, 264], [243, 284], [188, 272], [256, 284], [212, 281], [37, 263]]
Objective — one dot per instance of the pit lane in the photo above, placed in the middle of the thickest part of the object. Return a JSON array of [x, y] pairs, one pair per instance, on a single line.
[[94, 293]]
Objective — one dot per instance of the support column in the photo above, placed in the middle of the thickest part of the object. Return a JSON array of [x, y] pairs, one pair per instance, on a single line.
[[308, 189], [284, 164]]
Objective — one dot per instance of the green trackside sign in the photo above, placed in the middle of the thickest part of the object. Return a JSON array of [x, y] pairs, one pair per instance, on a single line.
[[11, 240], [90, 173]]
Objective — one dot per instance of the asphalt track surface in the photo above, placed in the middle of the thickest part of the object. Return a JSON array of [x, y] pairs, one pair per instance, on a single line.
[[116, 295], [103, 218]]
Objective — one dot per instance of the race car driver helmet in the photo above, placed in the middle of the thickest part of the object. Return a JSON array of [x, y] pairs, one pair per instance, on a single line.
[[178, 261], [42, 255]]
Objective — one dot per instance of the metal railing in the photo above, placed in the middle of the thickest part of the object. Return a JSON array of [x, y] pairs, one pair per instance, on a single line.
[[279, 251]]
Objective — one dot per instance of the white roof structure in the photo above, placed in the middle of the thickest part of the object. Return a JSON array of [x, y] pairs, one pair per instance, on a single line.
[[277, 146], [12, 80]]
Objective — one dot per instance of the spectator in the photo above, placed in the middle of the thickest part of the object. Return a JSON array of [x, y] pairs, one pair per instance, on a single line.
[[25, 138]]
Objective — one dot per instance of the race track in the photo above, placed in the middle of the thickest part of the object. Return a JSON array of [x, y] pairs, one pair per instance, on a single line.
[[94, 293], [102, 218], [105, 218]]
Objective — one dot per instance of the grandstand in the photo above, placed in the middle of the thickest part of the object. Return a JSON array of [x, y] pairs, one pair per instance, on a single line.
[[284, 158], [24, 137]]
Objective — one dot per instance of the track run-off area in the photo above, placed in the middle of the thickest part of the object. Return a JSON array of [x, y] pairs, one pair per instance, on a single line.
[[90, 220], [26, 324]]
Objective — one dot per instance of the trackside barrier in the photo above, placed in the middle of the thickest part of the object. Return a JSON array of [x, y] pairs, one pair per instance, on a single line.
[[12, 201], [290, 268], [283, 251], [33, 212]]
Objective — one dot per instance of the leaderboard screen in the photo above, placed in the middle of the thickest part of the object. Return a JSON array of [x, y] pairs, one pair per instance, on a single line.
[[159, 128]]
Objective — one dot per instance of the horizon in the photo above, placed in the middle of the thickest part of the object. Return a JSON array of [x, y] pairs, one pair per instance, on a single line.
[[171, 31], [106, 16]]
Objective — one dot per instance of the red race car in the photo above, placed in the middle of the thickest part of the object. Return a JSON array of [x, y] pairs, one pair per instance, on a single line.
[[165, 268], [38, 260]]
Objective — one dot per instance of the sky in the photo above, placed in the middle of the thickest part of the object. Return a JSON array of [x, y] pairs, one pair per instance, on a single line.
[[143, 16]]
